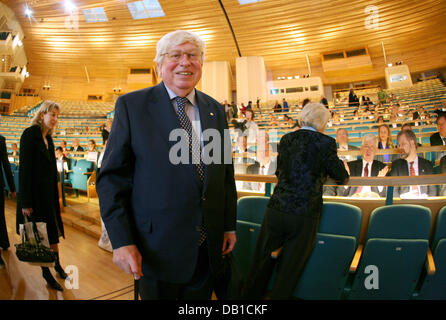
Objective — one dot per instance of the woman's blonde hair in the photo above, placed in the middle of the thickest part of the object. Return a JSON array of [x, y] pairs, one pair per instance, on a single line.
[[45, 107], [314, 115], [389, 136]]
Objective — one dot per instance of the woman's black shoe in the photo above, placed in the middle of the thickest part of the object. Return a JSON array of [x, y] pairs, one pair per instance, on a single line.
[[50, 280], [60, 271]]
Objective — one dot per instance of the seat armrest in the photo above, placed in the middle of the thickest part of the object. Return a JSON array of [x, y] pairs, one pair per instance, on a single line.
[[430, 263], [275, 253], [356, 258]]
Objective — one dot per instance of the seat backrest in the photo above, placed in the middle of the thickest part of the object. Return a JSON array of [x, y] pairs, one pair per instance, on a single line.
[[84, 165], [251, 208], [402, 221], [440, 227], [340, 219]]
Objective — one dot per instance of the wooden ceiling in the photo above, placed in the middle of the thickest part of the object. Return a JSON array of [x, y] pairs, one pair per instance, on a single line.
[[282, 31]]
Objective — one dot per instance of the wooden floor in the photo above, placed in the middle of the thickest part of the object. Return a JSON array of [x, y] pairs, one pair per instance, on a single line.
[[99, 278]]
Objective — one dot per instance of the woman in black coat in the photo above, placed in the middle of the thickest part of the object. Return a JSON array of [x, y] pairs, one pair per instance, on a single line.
[[38, 176], [306, 157]]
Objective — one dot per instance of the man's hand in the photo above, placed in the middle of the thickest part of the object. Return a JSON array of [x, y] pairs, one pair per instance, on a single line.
[[347, 168], [383, 171], [129, 260], [229, 240], [27, 211]]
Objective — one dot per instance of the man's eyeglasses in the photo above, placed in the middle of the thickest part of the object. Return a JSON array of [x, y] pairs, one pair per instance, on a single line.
[[177, 55]]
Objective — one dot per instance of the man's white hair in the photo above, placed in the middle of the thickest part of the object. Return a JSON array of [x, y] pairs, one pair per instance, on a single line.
[[177, 38], [370, 137]]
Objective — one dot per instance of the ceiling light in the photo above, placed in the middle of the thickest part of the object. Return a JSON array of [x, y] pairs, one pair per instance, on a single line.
[[69, 6], [28, 12]]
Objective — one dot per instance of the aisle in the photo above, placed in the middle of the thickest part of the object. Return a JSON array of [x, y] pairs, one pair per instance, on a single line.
[[99, 278]]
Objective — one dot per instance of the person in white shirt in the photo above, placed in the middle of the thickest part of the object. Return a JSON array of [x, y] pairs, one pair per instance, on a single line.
[[266, 161], [251, 126], [342, 141], [411, 164]]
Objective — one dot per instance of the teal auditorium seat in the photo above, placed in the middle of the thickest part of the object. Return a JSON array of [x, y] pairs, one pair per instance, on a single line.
[[252, 208], [79, 176], [326, 271], [250, 212], [396, 244], [434, 286]]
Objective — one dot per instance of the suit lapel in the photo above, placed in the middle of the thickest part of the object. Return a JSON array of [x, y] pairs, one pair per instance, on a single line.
[[162, 112]]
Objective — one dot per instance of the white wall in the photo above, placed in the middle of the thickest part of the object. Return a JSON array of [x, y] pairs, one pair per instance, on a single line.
[[251, 79], [304, 83], [216, 80]]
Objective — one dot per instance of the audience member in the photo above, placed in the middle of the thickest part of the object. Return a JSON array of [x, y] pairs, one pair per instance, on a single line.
[[411, 165], [266, 162], [251, 126], [277, 107], [439, 138], [342, 142], [365, 167], [385, 142], [285, 105], [76, 146]]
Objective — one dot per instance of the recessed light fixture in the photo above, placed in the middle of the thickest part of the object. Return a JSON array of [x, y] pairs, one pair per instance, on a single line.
[[28, 12]]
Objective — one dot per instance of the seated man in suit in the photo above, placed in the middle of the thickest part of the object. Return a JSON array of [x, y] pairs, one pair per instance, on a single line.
[[242, 158], [411, 165], [365, 167], [266, 163], [342, 142], [76, 146], [439, 138]]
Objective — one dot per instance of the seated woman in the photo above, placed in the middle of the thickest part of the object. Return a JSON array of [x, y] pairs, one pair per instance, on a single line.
[[385, 142], [92, 154]]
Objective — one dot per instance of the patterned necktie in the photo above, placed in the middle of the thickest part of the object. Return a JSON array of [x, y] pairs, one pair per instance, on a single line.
[[412, 174], [194, 142], [194, 148]]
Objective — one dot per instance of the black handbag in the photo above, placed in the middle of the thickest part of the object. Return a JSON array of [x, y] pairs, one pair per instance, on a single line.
[[228, 284], [33, 251]]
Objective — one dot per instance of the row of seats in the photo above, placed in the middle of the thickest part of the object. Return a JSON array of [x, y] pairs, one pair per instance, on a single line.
[[77, 177], [391, 264]]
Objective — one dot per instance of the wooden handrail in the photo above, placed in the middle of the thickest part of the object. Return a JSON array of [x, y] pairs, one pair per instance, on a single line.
[[431, 179]]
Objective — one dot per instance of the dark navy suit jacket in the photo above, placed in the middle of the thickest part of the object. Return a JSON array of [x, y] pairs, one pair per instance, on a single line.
[[148, 201]]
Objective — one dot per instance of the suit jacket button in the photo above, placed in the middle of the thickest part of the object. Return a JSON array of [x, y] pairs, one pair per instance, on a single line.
[[204, 198]]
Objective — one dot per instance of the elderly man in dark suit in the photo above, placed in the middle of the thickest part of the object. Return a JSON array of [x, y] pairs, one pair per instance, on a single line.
[[365, 167], [306, 157], [411, 164], [169, 222]]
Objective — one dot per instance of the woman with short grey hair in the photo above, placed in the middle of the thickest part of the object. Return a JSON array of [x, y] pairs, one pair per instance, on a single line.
[[306, 157]]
